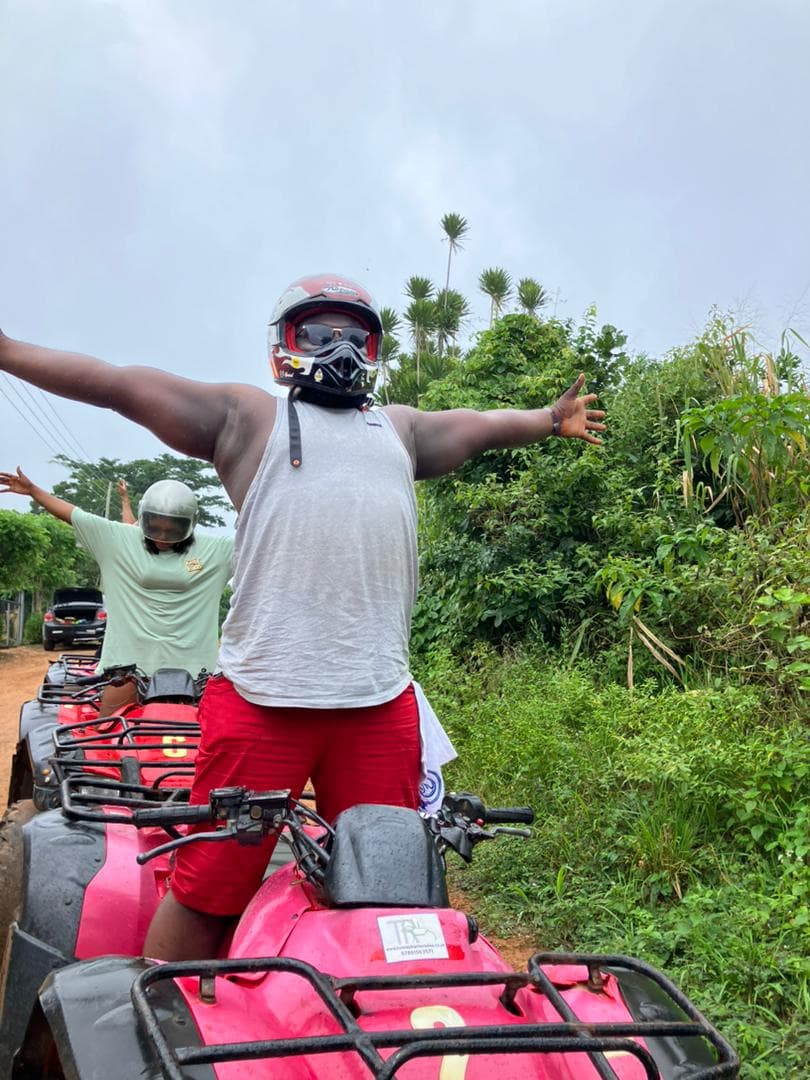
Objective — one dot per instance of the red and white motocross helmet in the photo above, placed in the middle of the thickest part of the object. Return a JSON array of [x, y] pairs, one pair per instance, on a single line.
[[345, 366]]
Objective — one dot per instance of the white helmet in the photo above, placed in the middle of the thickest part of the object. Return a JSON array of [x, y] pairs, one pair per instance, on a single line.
[[168, 511]]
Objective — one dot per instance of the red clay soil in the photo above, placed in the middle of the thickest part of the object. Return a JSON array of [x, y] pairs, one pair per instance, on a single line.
[[21, 672]]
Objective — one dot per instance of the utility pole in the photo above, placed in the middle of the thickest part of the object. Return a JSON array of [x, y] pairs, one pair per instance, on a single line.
[[107, 504]]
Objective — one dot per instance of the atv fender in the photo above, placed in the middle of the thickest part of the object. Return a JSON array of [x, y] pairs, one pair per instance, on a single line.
[[57, 860], [88, 1010], [31, 772], [35, 713], [34, 748]]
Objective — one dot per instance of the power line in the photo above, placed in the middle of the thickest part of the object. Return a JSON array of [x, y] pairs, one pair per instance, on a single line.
[[26, 419], [36, 411], [99, 484], [81, 451]]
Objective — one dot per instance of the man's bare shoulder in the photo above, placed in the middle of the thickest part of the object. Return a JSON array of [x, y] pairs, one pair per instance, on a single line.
[[403, 419], [246, 394], [251, 414]]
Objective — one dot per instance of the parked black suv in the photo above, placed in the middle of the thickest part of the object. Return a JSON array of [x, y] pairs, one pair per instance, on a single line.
[[75, 615]]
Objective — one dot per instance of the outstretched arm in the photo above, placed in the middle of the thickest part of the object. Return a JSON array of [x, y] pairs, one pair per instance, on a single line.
[[19, 484], [186, 415], [441, 441], [127, 517]]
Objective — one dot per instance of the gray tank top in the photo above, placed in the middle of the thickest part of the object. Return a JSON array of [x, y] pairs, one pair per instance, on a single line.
[[325, 566]]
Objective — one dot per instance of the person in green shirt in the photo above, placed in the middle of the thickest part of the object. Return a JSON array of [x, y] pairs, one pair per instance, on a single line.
[[162, 582]]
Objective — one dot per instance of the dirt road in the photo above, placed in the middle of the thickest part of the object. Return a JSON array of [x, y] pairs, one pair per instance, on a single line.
[[21, 672]]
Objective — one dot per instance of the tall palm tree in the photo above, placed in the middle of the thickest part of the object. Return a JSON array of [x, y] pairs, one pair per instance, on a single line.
[[455, 228], [451, 311], [390, 321], [419, 288], [421, 317], [497, 285], [531, 295], [389, 346]]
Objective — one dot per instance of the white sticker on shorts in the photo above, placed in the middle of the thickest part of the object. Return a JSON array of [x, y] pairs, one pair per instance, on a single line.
[[412, 937]]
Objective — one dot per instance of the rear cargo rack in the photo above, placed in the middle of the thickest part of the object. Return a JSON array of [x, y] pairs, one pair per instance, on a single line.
[[68, 693], [80, 748], [572, 1035], [77, 663]]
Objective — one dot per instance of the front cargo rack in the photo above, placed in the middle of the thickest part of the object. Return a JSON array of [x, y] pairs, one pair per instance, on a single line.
[[99, 798], [703, 1054]]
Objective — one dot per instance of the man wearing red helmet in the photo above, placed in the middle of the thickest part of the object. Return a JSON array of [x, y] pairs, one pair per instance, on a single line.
[[314, 654]]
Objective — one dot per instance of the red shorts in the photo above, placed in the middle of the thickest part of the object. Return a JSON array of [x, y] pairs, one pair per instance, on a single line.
[[368, 755]]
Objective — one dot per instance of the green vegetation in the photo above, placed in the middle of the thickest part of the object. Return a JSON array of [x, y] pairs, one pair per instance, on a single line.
[[620, 637], [39, 553], [670, 825], [90, 484]]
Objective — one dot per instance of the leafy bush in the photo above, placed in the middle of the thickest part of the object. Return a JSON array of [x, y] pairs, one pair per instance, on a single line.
[[677, 551], [32, 631]]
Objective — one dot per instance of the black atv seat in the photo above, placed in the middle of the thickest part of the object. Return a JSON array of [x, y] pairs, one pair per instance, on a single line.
[[384, 856], [171, 684]]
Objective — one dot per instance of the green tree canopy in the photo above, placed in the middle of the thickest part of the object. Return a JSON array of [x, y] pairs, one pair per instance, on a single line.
[[39, 553], [496, 283], [531, 295], [87, 485]]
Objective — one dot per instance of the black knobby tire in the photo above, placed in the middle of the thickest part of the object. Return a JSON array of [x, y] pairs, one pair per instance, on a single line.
[[48, 645]]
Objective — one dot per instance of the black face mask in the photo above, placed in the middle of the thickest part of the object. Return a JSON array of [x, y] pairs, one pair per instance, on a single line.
[[313, 395]]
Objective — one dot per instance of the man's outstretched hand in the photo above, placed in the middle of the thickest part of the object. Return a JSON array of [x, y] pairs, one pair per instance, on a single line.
[[576, 420], [15, 483]]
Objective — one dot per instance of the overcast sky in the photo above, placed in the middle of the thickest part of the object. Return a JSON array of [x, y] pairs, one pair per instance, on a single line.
[[168, 166]]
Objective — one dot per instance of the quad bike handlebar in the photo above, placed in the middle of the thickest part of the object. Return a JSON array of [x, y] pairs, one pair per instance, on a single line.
[[460, 820], [470, 806], [522, 814], [248, 816], [111, 676], [163, 685]]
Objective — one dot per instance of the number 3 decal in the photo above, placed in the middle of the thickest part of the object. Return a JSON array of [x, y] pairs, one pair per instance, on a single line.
[[170, 750], [454, 1066]]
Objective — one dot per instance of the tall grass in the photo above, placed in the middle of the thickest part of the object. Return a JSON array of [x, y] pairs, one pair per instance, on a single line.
[[670, 825]]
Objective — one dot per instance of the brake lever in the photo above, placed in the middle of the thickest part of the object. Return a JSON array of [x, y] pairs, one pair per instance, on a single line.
[[248, 822], [509, 830], [218, 834]]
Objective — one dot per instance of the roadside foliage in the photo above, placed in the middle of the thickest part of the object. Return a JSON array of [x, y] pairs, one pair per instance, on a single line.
[[620, 636]]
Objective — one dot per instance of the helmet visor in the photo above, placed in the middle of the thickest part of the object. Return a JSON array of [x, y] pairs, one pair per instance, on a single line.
[[319, 334], [165, 528]]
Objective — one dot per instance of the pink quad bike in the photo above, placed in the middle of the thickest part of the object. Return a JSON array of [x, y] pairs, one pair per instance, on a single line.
[[153, 740], [349, 962]]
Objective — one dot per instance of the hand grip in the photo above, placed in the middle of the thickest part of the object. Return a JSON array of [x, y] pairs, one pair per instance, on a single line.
[[173, 815], [505, 815]]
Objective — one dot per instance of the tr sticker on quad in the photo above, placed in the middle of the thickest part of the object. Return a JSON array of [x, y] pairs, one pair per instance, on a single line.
[[412, 937]]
